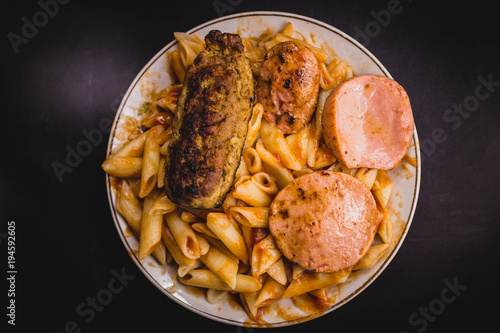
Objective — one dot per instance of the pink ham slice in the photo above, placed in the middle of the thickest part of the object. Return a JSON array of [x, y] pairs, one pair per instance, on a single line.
[[324, 221], [368, 122]]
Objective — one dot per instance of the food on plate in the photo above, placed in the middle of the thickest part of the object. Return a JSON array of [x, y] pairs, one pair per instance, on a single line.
[[238, 198], [368, 122], [288, 86], [210, 124], [324, 221]]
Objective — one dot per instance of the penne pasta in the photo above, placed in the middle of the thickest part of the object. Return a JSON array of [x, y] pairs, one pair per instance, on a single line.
[[189, 47], [371, 257], [367, 176], [274, 141], [151, 161], [183, 270], [248, 301], [177, 65], [249, 191], [203, 243], [299, 142], [160, 253], [254, 125], [169, 100], [161, 173], [382, 187], [265, 183], [271, 292], [264, 255], [215, 296], [310, 281], [278, 272], [162, 205], [221, 265], [183, 234], [229, 234], [151, 227], [252, 160], [123, 167], [254, 217], [133, 148], [129, 207], [273, 166], [385, 225], [205, 278], [175, 250], [203, 229]]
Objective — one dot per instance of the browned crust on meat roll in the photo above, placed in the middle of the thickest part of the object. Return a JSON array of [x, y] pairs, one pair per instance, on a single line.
[[210, 125]]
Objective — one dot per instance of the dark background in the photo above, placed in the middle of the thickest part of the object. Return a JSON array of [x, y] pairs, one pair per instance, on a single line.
[[72, 74]]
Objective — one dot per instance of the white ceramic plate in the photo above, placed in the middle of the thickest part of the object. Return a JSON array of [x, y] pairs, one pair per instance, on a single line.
[[155, 77]]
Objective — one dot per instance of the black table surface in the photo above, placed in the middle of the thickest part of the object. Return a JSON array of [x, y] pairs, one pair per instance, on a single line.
[[65, 67]]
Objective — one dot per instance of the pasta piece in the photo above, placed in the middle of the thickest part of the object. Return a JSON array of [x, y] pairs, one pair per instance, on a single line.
[[383, 189], [203, 243], [183, 234], [256, 56], [221, 265], [298, 142], [320, 294], [271, 292], [229, 234], [161, 173], [288, 30], [189, 217], [324, 157], [255, 217], [275, 142], [278, 272], [252, 160], [371, 257], [297, 272], [264, 255], [273, 166], [205, 278], [248, 301], [162, 205], [254, 125], [202, 228], [385, 225], [311, 281], [133, 148], [367, 176], [151, 161], [175, 250], [215, 296], [341, 72], [189, 47], [177, 65], [123, 167], [160, 253], [129, 207], [264, 182], [151, 227], [183, 270], [249, 191], [169, 100]]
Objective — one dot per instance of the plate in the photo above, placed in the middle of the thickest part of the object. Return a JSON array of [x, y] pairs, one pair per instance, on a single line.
[[155, 76]]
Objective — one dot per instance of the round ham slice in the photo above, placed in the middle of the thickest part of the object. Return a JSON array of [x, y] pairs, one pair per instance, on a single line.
[[368, 122], [324, 221]]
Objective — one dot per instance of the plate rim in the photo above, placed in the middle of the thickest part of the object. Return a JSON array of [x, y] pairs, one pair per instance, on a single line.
[[225, 320]]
